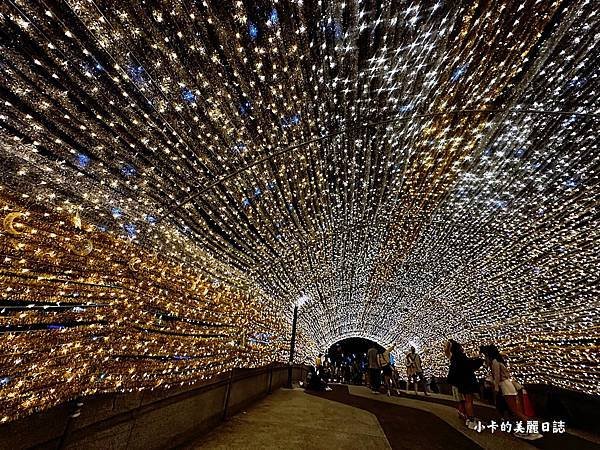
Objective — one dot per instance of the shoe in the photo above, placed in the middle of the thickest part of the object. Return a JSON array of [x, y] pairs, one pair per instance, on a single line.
[[471, 424], [398, 392], [389, 393], [529, 436]]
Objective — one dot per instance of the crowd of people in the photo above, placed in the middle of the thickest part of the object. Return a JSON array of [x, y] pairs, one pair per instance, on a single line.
[[377, 369], [338, 367], [374, 368]]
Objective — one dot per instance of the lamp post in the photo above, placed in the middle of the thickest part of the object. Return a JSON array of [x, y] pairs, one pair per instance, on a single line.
[[297, 305]]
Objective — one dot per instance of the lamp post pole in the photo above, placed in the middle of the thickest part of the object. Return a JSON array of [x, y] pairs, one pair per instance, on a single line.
[[292, 347]]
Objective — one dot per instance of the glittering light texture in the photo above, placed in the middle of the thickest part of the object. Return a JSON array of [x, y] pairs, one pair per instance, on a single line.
[[115, 317], [441, 181]]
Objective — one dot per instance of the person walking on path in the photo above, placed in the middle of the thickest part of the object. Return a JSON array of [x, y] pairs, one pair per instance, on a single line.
[[414, 370], [386, 366], [373, 369], [461, 376]]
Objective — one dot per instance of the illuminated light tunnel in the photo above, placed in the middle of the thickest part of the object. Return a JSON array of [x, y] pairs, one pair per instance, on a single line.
[[175, 175]]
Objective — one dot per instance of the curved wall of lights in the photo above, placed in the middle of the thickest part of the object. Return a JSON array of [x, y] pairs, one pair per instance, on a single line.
[[173, 176]]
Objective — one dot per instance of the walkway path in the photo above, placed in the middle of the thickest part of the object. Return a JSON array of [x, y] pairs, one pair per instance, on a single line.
[[292, 419], [407, 428], [486, 440], [444, 413], [351, 417], [575, 438]]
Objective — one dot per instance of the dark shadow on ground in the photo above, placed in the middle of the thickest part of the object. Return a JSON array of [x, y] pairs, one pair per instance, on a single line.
[[550, 441], [408, 428], [405, 428]]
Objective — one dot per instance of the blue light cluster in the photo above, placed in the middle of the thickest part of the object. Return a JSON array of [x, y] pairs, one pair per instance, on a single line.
[[131, 230], [252, 31], [273, 18], [116, 212], [290, 121], [82, 160], [128, 170], [137, 74], [459, 72], [245, 107], [188, 95]]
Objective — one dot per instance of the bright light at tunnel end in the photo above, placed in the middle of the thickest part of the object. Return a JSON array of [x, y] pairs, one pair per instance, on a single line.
[[301, 300]]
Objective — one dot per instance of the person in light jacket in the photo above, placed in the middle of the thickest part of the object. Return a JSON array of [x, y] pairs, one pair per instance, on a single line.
[[414, 370]]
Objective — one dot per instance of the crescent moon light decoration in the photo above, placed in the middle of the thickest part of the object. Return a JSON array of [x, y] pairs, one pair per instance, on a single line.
[[9, 223], [133, 264], [84, 250]]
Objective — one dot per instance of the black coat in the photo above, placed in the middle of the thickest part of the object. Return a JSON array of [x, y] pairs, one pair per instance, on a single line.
[[462, 373]]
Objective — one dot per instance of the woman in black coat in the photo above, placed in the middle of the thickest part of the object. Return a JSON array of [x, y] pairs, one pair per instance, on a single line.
[[461, 376]]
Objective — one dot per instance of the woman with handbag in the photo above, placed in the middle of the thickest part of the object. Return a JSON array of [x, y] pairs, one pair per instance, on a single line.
[[506, 390]]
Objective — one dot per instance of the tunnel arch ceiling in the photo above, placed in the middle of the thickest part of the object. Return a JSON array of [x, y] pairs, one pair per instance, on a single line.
[[417, 170]]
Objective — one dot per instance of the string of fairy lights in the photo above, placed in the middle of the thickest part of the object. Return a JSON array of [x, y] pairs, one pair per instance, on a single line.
[[175, 175], [84, 311]]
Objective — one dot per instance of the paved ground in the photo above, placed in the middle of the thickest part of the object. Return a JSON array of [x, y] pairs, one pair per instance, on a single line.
[[351, 417], [292, 419], [448, 415], [487, 411], [498, 441], [406, 428]]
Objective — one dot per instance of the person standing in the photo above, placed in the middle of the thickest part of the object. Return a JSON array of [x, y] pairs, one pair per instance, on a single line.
[[414, 370], [461, 376], [319, 361], [356, 372], [505, 387], [386, 367], [373, 369]]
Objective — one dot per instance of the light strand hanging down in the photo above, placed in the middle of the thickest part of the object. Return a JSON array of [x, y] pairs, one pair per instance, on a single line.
[[480, 226]]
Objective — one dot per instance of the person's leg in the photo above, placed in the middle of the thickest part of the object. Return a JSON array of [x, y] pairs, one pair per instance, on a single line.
[[460, 402], [394, 381], [373, 380], [422, 379], [469, 405], [515, 407], [461, 409]]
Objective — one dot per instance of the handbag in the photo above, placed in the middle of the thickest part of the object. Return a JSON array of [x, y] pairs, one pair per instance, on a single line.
[[526, 404]]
